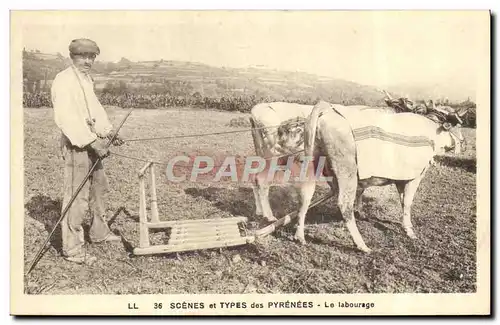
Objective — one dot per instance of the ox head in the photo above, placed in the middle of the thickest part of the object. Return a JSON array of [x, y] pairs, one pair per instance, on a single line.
[[402, 104], [449, 132], [290, 136]]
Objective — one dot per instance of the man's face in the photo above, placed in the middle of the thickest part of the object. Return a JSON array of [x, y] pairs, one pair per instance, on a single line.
[[84, 62]]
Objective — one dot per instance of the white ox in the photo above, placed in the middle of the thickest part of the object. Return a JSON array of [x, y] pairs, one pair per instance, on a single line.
[[277, 129], [265, 119], [330, 135]]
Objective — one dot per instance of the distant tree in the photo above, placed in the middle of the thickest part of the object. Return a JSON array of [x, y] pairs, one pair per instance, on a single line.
[[358, 100], [197, 96], [110, 67], [124, 63], [122, 87], [108, 88]]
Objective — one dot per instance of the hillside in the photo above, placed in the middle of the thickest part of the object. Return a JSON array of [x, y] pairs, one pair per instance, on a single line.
[[454, 91], [189, 78]]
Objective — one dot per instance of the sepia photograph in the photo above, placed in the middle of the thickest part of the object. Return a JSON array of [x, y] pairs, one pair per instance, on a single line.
[[250, 162]]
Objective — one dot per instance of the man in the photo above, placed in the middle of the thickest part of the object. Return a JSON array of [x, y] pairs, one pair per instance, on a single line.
[[85, 132]]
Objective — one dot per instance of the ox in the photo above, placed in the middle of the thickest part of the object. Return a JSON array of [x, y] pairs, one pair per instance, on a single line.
[[329, 134], [265, 120], [278, 129]]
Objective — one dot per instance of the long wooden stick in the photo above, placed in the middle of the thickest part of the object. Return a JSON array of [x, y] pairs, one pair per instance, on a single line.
[[287, 219], [154, 201], [143, 170], [198, 222], [143, 218], [63, 214], [160, 249]]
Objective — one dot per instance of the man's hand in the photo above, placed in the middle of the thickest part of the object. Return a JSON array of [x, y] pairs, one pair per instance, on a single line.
[[100, 148], [117, 141]]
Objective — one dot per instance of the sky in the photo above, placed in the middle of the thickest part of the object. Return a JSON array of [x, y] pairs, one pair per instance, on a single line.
[[368, 47]]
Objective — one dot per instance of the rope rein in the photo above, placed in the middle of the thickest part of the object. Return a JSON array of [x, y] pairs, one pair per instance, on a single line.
[[163, 163], [294, 122], [207, 134]]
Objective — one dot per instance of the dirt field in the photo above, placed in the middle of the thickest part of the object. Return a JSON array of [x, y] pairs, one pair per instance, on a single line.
[[443, 259]]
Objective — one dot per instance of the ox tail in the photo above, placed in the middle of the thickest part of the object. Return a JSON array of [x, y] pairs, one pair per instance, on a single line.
[[311, 126]]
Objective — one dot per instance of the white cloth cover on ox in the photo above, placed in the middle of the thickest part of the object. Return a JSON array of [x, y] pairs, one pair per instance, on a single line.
[[394, 146]]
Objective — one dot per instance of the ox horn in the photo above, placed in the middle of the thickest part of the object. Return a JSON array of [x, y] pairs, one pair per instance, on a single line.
[[387, 94], [462, 112], [457, 116]]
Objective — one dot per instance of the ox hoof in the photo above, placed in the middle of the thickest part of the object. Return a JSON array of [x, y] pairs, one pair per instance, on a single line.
[[365, 250], [300, 239], [359, 214], [410, 233], [271, 219]]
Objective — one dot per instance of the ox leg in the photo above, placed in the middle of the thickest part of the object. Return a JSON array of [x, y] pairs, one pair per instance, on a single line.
[[265, 205], [258, 205], [341, 157], [306, 193], [260, 187], [407, 192], [261, 191], [347, 192], [348, 214], [359, 200]]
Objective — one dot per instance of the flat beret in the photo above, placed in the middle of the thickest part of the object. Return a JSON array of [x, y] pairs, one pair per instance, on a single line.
[[83, 45]]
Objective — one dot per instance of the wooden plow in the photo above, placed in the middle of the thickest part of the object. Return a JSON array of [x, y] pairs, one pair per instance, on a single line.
[[190, 235], [185, 235]]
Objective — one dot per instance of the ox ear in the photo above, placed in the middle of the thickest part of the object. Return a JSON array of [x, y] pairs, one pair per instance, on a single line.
[[299, 127], [299, 121]]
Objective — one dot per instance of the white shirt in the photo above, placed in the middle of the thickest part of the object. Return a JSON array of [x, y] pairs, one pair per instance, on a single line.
[[74, 102]]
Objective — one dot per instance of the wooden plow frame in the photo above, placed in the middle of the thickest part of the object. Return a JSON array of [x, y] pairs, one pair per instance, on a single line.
[[185, 235], [190, 235]]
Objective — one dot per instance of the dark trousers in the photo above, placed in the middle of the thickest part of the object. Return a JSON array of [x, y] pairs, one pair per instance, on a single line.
[[77, 163]]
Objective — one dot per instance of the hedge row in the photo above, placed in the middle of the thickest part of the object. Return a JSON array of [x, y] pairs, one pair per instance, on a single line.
[[225, 103], [156, 101]]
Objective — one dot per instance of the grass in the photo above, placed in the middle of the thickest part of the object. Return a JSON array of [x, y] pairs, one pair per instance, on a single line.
[[443, 259]]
